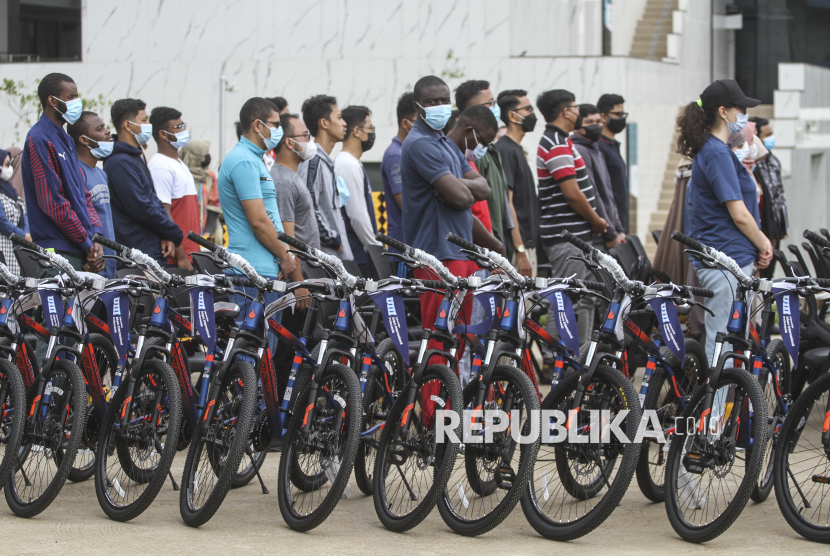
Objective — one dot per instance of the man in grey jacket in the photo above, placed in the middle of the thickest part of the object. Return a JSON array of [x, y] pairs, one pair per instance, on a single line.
[[323, 119], [585, 140]]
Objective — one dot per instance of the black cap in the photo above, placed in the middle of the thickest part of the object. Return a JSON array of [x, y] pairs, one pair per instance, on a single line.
[[726, 92]]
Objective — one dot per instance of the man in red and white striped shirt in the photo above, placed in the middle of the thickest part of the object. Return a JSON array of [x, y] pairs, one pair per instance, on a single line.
[[567, 202]]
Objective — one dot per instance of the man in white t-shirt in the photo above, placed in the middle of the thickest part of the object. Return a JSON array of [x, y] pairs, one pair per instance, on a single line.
[[172, 179], [359, 212]]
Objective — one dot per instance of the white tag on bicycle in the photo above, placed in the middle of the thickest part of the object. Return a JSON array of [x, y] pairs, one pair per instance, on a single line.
[[546, 493], [438, 400], [462, 495], [339, 400], [118, 488]]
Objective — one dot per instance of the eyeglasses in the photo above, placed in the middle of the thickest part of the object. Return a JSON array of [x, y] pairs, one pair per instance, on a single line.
[[528, 107], [181, 127], [307, 135], [370, 130], [489, 104], [619, 114], [269, 124]]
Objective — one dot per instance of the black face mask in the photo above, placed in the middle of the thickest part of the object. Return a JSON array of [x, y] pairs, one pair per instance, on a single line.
[[592, 132], [368, 143], [528, 123], [616, 125]]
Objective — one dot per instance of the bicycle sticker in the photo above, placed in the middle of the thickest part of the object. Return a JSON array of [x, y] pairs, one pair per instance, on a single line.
[[788, 317], [669, 323], [392, 310], [563, 314], [201, 309], [118, 315]]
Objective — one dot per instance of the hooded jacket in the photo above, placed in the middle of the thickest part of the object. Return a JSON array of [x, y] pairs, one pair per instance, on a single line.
[[139, 218], [598, 172]]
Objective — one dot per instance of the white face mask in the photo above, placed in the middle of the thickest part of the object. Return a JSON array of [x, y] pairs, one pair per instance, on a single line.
[[307, 149], [6, 173]]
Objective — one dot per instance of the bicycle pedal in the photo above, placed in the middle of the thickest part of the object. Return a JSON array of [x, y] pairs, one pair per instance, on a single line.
[[822, 480], [694, 463], [505, 477]]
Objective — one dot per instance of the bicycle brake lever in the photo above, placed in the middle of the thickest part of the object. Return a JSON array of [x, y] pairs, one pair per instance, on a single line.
[[588, 262]]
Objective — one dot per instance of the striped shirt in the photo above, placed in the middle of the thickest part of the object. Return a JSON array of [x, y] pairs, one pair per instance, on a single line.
[[557, 161]]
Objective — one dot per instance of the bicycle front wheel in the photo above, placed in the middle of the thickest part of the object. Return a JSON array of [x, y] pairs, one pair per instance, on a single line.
[[579, 480], [319, 452], [50, 443], [412, 467], [710, 476], [133, 461], [490, 477], [218, 444], [801, 469], [12, 418]]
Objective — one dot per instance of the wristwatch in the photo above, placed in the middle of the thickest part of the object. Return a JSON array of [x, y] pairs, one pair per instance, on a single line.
[[520, 249]]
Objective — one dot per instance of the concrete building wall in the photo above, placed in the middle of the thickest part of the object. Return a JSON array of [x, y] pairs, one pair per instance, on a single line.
[[369, 52]]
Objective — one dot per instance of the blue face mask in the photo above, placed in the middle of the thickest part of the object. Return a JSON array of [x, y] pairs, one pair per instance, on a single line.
[[742, 153], [478, 152], [73, 109], [146, 132], [437, 117], [103, 150], [342, 192], [737, 125], [496, 111], [769, 142], [275, 138], [182, 139]]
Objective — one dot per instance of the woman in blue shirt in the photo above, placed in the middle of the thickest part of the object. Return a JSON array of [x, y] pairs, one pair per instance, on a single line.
[[721, 201], [12, 213]]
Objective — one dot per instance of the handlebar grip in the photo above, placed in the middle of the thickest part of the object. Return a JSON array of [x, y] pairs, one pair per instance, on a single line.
[[815, 238], [463, 243], [23, 242], [241, 282], [117, 247], [823, 282], [569, 237], [434, 284], [596, 286], [199, 240], [689, 242], [703, 292], [298, 245], [391, 242]]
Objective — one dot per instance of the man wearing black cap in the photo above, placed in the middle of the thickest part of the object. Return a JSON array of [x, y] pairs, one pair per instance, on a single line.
[[721, 200]]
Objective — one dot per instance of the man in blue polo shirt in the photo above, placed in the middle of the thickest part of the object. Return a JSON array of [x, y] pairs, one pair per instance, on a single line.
[[438, 187], [60, 210], [390, 168], [249, 201]]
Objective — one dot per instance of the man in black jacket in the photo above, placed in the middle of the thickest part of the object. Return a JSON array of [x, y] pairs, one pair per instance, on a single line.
[[612, 111], [586, 139], [139, 218]]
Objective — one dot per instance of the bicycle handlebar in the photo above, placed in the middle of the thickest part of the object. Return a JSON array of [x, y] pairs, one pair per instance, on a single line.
[[54, 257], [494, 257], [331, 261], [721, 258], [231, 258], [424, 258], [606, 261], [815, 238], [141, 258]]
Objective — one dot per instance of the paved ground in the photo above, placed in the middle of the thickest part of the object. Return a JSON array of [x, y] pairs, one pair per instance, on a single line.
[[250, 521]]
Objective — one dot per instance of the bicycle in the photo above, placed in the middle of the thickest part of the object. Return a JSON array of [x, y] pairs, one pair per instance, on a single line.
[[717, 449]]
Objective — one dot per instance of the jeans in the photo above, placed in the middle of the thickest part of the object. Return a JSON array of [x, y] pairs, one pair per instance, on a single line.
[[245, 306], [561, 267], [723, 284]]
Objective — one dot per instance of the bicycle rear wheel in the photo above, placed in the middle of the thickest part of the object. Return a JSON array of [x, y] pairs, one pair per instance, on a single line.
[[412, 468], [133, 462], [778, 356], [12, 418], [376, 406], [801, 469], [46, 453], [709, 480], [218, 445], [106, 360], [661, 397], [576, 485], [490, 478]]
